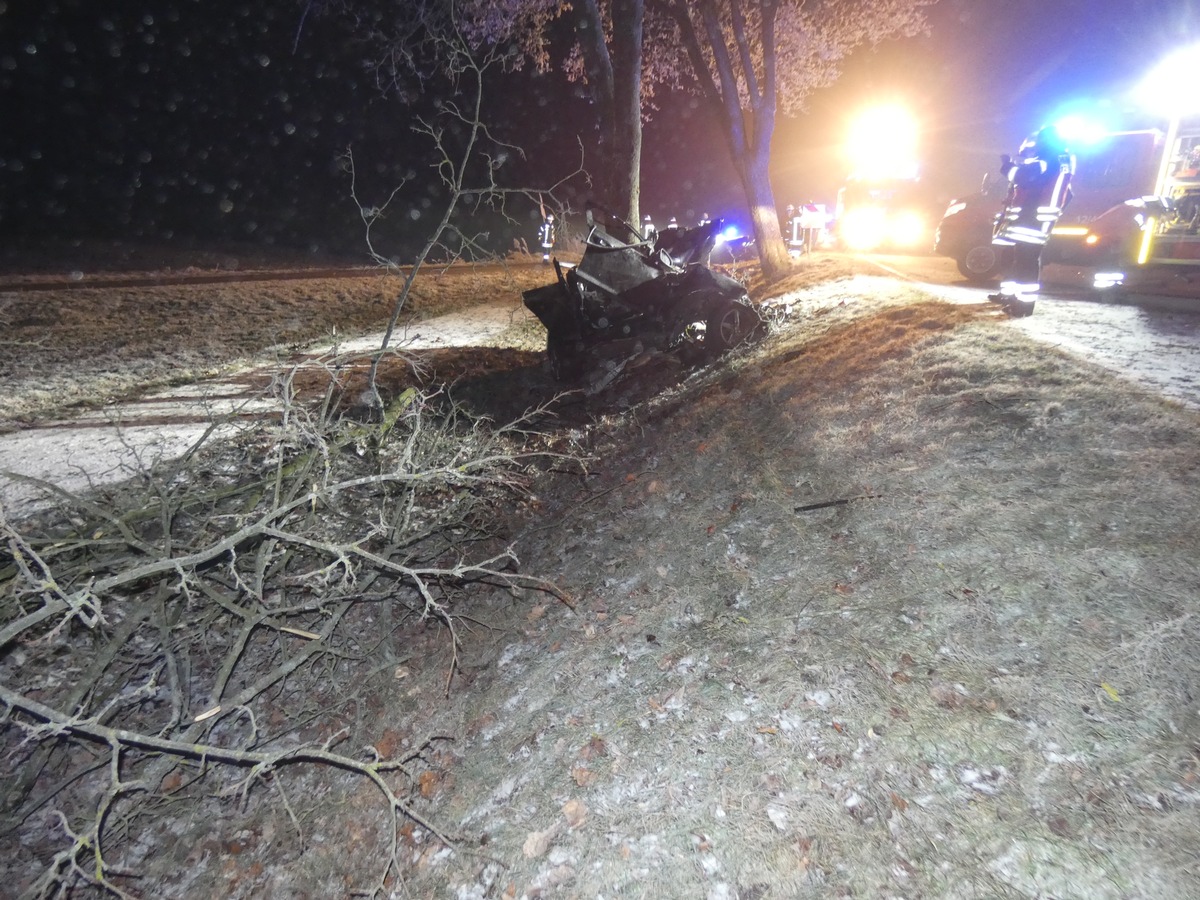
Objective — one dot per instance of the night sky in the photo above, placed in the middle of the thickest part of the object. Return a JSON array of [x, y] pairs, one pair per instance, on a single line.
[[210, 120], [217, 120], [158, 120], [990, 73]]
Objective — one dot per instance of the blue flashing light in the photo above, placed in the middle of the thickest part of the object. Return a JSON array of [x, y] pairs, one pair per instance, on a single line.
[[1081, 130]]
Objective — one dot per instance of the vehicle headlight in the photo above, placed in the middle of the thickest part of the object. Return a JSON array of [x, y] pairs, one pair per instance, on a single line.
[[907, 229], [864, 228]]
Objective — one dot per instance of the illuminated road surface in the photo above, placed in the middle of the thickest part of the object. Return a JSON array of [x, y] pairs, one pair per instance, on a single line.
[[1157, 345]]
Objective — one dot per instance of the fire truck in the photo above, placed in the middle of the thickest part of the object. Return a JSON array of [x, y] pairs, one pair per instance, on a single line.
[[1135, 215], [1170, 231], [1115, 183], [1134, 219], [877, 214]]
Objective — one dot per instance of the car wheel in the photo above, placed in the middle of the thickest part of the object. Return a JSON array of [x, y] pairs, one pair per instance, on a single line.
[[730, 325], [981, 263]]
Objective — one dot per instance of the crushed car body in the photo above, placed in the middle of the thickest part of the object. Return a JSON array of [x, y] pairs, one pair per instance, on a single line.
[[657, 294]]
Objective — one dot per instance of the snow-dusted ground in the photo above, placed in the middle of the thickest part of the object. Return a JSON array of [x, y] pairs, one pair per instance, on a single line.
[[1154, 341], [112, 444], [1157, 348]]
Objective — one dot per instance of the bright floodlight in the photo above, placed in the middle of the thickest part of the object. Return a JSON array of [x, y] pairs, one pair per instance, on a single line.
[[1170, 87], [1079, 130], [882, 143], [864, 229]]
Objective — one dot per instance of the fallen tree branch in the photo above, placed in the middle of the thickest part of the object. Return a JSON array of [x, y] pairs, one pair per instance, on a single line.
[[260, 762], [826, 504]]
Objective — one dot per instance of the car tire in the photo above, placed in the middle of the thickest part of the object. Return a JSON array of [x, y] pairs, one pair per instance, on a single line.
[[981, 263], [731, 324]]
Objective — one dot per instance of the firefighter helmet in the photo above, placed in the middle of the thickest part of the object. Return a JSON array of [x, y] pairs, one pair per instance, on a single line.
[[1045, 144]]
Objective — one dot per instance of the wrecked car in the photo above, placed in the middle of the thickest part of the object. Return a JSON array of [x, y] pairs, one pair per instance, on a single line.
[[658, 295]]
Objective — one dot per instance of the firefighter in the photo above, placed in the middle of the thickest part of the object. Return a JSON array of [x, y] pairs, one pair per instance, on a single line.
[[648, 229], [1039, 189], [792, 234], [546, 236]]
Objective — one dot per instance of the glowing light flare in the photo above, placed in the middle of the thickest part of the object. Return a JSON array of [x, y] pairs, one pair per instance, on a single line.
[[1169, 88], [1079, 130], [871, 227], [907, 229], [1147, 240], [864, 228], [882, 143]]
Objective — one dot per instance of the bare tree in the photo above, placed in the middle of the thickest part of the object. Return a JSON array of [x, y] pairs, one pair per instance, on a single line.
[[609, 42], [748, 59], [163, 642], [175, 634], [417, 42], [752, 59], [605, 57]]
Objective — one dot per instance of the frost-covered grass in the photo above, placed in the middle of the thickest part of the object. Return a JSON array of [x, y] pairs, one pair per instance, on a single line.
[[899, 603]]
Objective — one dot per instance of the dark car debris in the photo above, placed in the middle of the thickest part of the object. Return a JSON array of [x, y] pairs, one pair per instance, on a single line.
[[630, 294]]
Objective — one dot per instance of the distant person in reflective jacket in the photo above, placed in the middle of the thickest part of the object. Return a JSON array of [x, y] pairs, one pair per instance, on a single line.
[[648, 230], [546, 236]]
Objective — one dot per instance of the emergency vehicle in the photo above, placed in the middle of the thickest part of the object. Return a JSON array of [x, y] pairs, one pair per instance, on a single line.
[[875, 214], [1102, 225], [1170, 217]]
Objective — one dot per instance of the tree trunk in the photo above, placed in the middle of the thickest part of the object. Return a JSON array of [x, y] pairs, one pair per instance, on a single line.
[[748, 129], [626, 160], [764, 218], [615, 82]]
